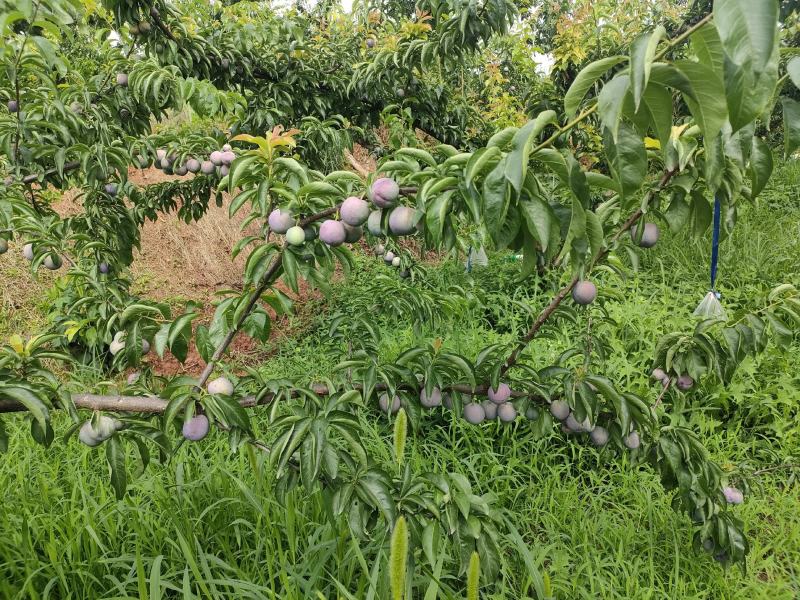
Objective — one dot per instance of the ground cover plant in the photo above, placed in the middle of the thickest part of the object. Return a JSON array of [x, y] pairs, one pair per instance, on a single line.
[[426, 431]]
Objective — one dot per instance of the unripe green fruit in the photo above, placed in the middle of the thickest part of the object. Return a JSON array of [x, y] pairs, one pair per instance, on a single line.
[[388, 257], [379, 249], [52, 262], [405, 274], [88, 436], [181, 171], [649, 235], [225, 63], [684, 382], [632, 440], [447, 401], [383, 403], [280, 220], [134, 29], [196, 428], [122, 79], [216, 158], [599, 436], [332, 232], [352, 234], [489, 410], [374, 223], [384, 192], [220, 386], [207, 167], [193, 165], [432, 401], [3, 245], [474, 413], [396, 261], [708, 544], [501, 395], [144, 27], [531, 413], [310, 233], [584, 292], [13, 106], [506, 412], [296, 236], [401, 220], [27, 251], [559, 409], [354, 211]]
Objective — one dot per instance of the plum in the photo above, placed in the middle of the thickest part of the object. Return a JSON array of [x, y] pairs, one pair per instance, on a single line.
[[122, 79], [531, 413], [332, 232], [401, 220], [280, 220], [193, 165], [384, 192], [13, 106], [732, 495], [584, 292], [685, 382], [296, 236], [432, 401], [396, 261], [352, 234], [354, 211], [3, 245], [111, 189], [489, 409], [559, 409], [27, 251], [632, 440], [500, 395], [374, 223], [52, 262], [649, 235], [196, 428], [216, 158], [474, 413], [220, 386], [506, 412], [207, 167], [599, 436], [383, 403]]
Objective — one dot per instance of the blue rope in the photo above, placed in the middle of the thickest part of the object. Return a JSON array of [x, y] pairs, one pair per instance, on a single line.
[[715, 244], [469, 260]]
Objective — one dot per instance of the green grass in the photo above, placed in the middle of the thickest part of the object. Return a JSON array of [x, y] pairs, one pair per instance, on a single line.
[[208, 524]]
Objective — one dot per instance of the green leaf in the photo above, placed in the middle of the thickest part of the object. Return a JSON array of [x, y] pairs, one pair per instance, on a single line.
[[643, 52], [707, 104], [791, 125], [238, 169], [517, 159], [627, 159], [115, 455], [760, 166], [585, 80], [611, 101], [400, 433], [747, 30], [540, 218], [481, 160], [793, 69], [708, 47], [473, 576], [495, 198], [30, 400]]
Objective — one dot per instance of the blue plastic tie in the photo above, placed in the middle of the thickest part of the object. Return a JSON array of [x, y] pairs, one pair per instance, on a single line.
[[715, 244]]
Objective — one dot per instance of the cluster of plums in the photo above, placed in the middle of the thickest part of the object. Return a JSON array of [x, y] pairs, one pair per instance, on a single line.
[[354, 213], [140, 28], [584, 292], [218, 162], [682, 382]]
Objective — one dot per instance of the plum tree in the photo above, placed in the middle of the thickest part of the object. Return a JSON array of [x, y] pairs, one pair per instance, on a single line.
[[354, 211], [584, 292], [524, 189]]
